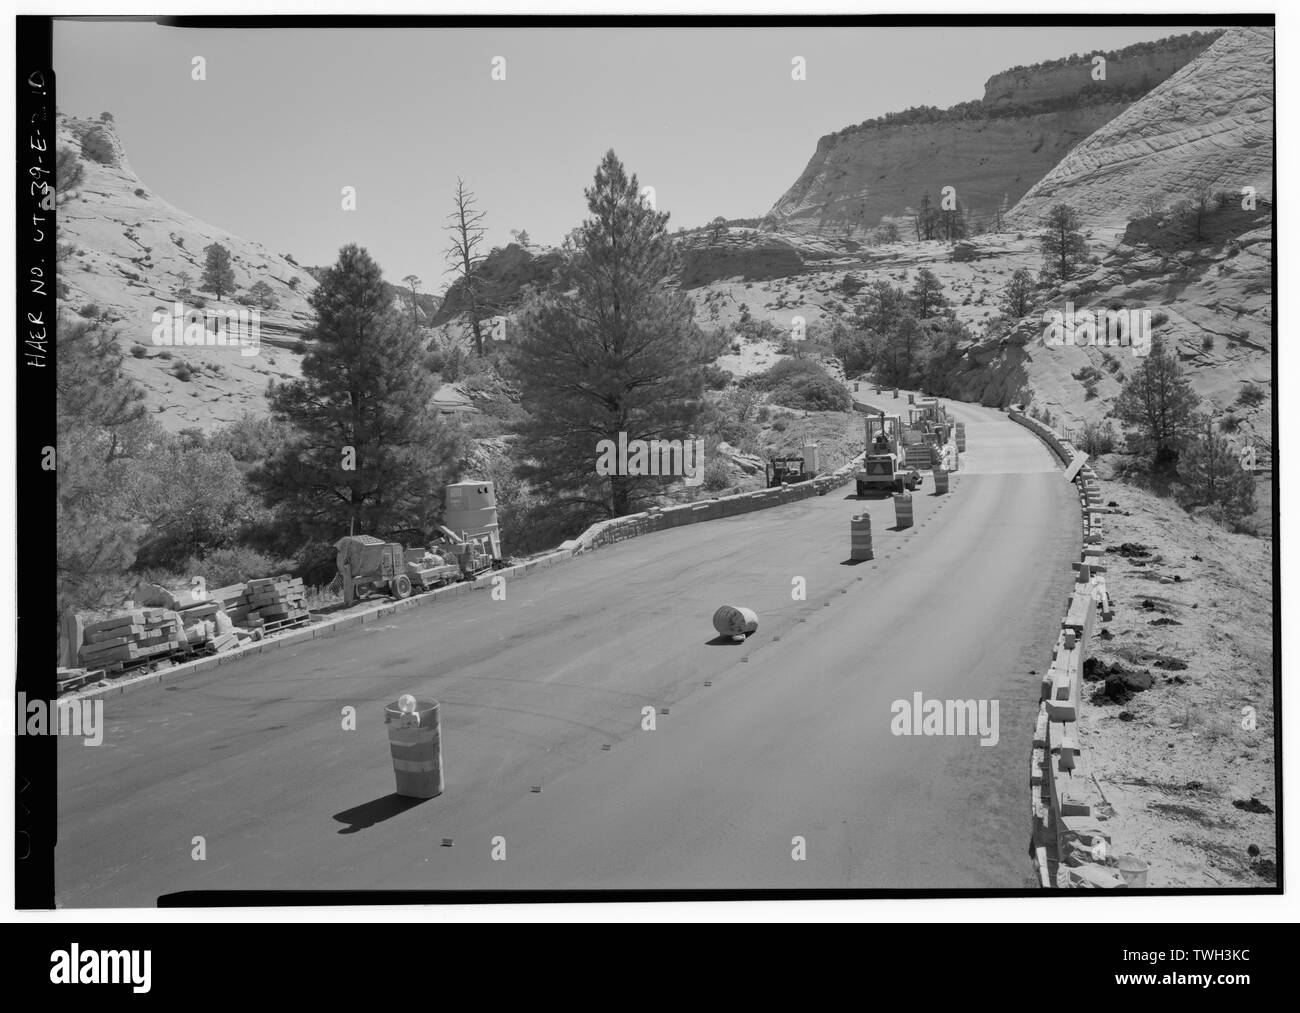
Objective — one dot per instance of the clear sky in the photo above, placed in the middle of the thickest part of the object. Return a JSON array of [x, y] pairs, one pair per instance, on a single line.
[[709, 117]]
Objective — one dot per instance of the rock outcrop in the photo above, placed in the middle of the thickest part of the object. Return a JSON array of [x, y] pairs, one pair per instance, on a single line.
[[990, 150], [1209, 125], [124, 252]]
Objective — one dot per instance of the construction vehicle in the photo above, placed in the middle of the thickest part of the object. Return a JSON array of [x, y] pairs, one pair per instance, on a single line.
[[789, 470], [883, 467], [369, 564]]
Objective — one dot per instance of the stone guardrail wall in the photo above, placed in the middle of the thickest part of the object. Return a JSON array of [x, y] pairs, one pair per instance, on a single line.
[[601, 533], [661, 518], [1069, 849]]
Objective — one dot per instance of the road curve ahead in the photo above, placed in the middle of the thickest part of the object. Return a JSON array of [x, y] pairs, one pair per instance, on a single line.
[[762, 753]]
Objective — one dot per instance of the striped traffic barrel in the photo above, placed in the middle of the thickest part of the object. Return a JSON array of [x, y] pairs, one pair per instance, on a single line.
[[903, 509], [961, 437], [734, 621], [940, 481], [415, 739], [860, 537]]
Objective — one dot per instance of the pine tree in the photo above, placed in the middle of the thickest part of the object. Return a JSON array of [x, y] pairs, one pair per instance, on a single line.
[[463, 256], [1018, 296], [1157, 404], [621, 354], [1213, 476], [369, 455], [96, 408], [926, 297], [1062, 244], [218, 275]]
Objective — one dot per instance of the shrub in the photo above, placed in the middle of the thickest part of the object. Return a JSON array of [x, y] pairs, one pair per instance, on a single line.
[[780, 424], [90, 310], [96, 146], [1097, 438], [1252, 395], [1159, 317], [1207, 342], [716, 378], [300, 347], [182, 372], [235, 565], [139, 351], [717, 476], [139, 191]]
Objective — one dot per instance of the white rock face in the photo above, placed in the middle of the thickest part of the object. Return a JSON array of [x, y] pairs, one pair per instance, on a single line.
[[129, 250], [1211, 124]]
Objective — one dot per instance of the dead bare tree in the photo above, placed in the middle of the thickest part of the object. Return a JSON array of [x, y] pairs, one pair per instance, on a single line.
[[463, 256]]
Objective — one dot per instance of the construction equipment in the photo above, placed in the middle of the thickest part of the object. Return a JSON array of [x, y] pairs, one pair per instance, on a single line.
[[470, 527], [369, 564], [884, 468], [789, 470]]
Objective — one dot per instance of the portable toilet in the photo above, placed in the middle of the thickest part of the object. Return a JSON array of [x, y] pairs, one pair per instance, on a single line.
[[810, 463], [472, 509]]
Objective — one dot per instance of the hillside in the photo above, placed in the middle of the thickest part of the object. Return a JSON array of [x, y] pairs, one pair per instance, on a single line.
[[1209, 125], [127, 249], [990, 149]]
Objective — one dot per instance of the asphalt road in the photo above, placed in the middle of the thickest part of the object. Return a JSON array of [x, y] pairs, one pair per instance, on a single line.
[[786, 736]]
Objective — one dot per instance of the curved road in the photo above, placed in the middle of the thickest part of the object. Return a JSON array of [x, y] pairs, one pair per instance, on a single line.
[[785, 736]]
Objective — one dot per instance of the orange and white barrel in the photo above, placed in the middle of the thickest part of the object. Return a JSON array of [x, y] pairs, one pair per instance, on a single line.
[[860, 537], [903, 509], [415, 740]]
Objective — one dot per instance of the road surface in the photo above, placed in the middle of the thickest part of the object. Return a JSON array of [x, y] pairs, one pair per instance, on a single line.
[[785, 736]]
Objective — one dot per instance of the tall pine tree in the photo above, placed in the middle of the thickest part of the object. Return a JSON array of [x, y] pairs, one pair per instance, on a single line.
[[369, 455], [618, 354]]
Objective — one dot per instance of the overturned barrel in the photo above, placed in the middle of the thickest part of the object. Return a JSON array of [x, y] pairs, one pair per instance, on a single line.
[[415, 740], [903, 509], [860, 537], [734, 621], [940, 481]]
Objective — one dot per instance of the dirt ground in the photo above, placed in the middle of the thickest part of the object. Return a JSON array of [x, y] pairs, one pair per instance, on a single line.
[[1184, 769]]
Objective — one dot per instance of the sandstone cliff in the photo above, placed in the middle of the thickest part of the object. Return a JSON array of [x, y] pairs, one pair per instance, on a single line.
[[991, 149], [1209, 125]]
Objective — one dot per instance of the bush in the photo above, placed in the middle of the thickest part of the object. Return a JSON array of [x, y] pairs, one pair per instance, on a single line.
[[235, 565], [96, 146], [813, 393], [1207, 343], [90, 310], [1097, 438], [139, 191], [716, 378], [139, 351], [717, 475], [182, 372], [1252, 395], [780, 424]]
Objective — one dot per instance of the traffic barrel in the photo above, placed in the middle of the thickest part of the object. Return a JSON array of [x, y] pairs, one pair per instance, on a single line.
[[961, 437], [895, 393], [415, 739], [860, 537], [903, 509], [940, 481], [734, 621]]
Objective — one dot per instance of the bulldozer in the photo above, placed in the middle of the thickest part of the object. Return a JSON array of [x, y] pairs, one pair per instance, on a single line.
[[883, 467]]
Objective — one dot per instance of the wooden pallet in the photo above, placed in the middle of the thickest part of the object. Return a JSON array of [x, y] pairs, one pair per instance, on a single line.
[[278, 625]]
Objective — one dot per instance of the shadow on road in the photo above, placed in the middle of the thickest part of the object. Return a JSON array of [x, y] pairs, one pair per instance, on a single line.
[[853, 562], [364, 816], [721, 641]]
